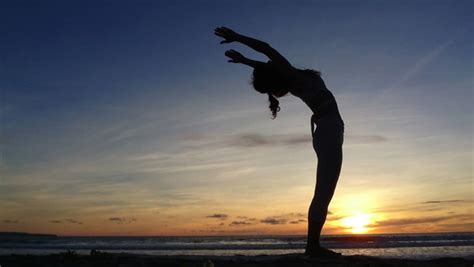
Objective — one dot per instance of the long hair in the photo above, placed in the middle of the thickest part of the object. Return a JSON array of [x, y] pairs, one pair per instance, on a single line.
[[267, 80], [274, 105]]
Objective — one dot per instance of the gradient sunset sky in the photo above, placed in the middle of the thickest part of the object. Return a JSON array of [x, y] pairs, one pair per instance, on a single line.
[[124, 118]]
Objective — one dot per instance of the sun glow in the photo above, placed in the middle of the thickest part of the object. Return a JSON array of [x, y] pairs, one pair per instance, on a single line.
[[357, 223]]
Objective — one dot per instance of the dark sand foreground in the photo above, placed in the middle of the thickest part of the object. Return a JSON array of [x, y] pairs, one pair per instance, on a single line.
[[128, 260]]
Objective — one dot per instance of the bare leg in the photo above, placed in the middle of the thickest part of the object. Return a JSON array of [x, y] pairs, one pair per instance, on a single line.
[[329, 151]]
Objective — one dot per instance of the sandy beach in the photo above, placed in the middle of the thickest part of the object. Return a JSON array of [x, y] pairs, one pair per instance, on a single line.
[[125, 260]]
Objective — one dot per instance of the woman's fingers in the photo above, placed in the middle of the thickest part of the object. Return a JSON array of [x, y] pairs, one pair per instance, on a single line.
[[221, 32], [232, 53], [225, 33], [218, 31], [223, 29]]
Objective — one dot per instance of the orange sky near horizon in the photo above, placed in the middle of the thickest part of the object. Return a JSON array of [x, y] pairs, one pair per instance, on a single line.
[[124, 117]]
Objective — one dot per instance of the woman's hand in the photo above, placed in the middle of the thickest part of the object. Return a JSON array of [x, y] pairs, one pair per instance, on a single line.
[[235, 57], [226, 33]]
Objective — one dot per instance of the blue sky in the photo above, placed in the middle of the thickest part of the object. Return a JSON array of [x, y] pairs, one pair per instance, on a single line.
[[130, 110]]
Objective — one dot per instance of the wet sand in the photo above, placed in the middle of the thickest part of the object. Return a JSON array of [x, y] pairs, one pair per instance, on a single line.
[[129, 260]]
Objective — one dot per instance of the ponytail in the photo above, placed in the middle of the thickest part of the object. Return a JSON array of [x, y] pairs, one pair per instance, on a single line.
[[274, 106]]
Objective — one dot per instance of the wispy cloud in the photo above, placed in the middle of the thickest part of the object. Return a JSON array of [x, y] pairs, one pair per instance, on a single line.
[[71, 221], [297, 221], [239, 223], [11, 221], [443, 201], [243, 221], [463, 226], [251, 140], [122, 220], [424, 61], [422, 220], [219, 216], [255, 140], [422, 206], [246, 218], [274, 221], [292, 218], [365, 139], [416, 66], [246, 140]]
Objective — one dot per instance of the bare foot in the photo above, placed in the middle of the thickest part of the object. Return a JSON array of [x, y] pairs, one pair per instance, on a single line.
[[320, 252]]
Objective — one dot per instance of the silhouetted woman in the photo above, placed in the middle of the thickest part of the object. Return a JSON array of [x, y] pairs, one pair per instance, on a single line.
[[277, 78]]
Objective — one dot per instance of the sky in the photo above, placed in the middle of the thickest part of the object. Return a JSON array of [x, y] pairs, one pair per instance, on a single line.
[[124, 117]]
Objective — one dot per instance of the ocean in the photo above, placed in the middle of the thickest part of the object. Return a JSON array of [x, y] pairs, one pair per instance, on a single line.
[[414, 246]]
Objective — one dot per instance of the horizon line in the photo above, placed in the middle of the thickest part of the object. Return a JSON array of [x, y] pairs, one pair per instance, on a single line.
[[243, 235]]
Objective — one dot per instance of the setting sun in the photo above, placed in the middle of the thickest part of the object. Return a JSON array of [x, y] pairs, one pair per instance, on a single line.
[[357, 224]]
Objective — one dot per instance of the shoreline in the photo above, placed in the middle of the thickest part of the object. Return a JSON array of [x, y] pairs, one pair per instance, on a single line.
[[97, 258]]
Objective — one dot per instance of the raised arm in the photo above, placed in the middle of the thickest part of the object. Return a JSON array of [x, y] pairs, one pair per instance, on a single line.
[[236, 57], [259, 46]]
